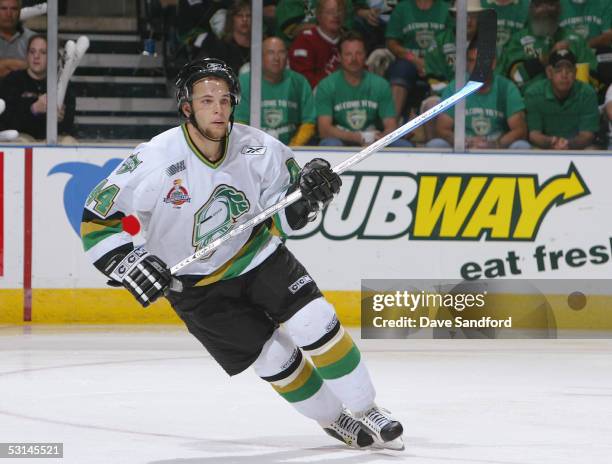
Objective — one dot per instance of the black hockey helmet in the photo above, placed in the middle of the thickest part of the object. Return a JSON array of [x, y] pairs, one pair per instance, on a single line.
[[198, 70]]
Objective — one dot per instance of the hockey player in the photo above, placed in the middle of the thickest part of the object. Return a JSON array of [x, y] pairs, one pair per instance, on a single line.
[[249, 302]]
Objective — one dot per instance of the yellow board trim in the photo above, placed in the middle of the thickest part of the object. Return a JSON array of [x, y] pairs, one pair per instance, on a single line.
[[11, 306], [117, 306], [335, 353]]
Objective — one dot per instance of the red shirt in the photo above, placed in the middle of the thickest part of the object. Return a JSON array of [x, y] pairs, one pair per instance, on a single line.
[[314, 55]]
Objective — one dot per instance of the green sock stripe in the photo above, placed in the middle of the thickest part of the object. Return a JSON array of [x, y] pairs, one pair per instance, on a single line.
[[343, 366], [310, 387], [93, 238]]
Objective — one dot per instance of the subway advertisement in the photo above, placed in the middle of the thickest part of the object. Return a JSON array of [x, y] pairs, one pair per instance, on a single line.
[[398, 216]]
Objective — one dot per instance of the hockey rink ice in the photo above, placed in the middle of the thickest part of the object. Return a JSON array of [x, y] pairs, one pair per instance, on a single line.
[[153, 395]]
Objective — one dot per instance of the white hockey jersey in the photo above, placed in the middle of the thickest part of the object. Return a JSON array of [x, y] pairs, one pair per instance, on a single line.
[[183, 201]]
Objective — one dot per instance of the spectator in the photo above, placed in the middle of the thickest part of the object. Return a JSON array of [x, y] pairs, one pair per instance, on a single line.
[[511, 17], [410, 33], [608, 110], [314, 53], [525, 57], [295, 16], [25, 95], [13, 38], [354, 106], [440, 60], [235, 46], [494, 116], [287, 104], [194, 19], [591, 20], [562, 113]]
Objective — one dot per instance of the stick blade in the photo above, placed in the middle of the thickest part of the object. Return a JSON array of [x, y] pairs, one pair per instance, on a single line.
[[486, 42]]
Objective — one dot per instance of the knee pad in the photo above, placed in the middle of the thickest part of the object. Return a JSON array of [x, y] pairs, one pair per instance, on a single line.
[[312, 322]]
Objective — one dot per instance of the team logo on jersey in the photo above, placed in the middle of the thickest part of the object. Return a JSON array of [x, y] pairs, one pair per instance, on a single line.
[[273, 117], [424, 39], [177, 195], [503, 36], [481, 125], [582, 30], [356, 118], [255, 150], [218, 215], [130, 164]]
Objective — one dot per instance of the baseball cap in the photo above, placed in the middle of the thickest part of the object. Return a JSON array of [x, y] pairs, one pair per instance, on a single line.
[[561, 55]]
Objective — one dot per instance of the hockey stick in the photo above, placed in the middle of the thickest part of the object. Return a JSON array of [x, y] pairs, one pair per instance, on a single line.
[[28, 12], [485, 44], [73, 54]]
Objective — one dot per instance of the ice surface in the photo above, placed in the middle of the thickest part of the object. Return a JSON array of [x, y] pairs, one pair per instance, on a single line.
[[153, 395]]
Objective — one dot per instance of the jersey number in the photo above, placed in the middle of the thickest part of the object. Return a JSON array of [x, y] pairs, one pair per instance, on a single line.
[[103, 197]]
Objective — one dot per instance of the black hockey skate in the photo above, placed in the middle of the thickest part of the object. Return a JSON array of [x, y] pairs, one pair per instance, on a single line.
[[387, 431], [349, 430]]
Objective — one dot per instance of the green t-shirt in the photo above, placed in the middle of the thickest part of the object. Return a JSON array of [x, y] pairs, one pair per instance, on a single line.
[[510, 18], [414, 28], [579, 111], [524, 46], [284, 106], [440, 58], [358, 108], [487, 114], [587, 18]]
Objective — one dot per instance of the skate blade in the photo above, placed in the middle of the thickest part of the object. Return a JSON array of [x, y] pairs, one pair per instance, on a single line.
[[394, 445]]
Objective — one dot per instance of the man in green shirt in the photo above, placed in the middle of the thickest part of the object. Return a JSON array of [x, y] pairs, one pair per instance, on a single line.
[[562, 113], [287, 103], [526, 54], [511, 17], [354, 106], [494, 116], [591, 20], [410, 33]]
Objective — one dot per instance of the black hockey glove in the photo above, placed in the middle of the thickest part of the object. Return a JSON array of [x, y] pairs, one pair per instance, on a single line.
[[318, 183], [144, 275]]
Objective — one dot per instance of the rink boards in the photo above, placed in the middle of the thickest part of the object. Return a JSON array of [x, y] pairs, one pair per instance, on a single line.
[[398, 216]]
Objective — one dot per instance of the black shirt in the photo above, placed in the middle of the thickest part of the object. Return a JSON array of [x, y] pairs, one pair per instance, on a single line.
[[19, 91]]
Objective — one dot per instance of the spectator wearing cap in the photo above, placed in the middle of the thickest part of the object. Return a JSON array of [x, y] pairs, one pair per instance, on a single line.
[[440, 60], [354, 106], [410, 34], [13, 38], [511, 17], [526, 55], [562, 112], [287, 104], [494, 116], [314, 53]]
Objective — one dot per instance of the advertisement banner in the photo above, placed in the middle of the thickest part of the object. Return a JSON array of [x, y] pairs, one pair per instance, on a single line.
[[397, 216]]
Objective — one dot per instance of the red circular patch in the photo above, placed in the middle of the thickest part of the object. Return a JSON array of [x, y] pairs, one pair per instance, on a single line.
[[130, 224]]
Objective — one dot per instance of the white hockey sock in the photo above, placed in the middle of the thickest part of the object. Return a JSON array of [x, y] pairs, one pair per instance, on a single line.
[[316, 329], [293, 376]]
